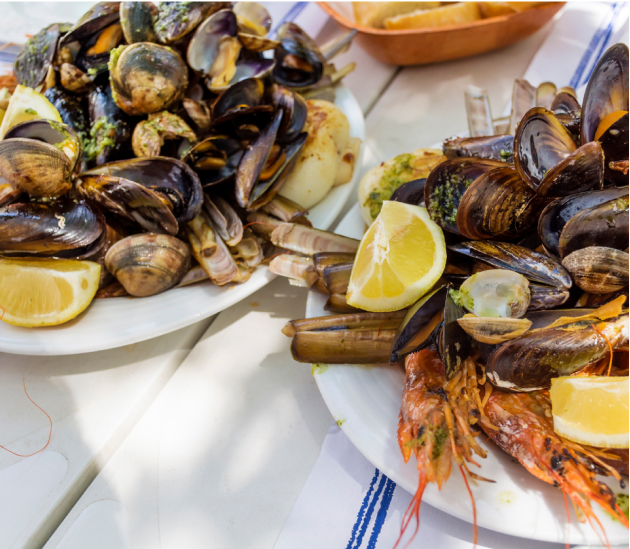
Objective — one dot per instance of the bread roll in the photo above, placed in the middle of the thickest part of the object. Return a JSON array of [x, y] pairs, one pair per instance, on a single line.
[[453, 14], [372, 14]]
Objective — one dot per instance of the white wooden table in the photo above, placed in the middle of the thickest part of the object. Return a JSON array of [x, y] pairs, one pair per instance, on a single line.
[[209, 447]]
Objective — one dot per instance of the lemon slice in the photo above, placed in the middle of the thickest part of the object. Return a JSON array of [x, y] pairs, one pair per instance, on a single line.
[[46, 292], [591, 410], [400, 258], [26, 104]]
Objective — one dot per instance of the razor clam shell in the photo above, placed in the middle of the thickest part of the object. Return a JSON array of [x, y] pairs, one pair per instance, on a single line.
[[224, 218], [294, 267], [355, 321], [337, 303], [337, 277], [309, 241]]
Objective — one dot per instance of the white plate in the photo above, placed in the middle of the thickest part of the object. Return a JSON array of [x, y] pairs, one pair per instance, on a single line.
[[109, 323], [368, 399]]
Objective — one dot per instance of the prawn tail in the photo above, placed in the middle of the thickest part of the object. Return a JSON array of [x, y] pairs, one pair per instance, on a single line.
[[413, 511]]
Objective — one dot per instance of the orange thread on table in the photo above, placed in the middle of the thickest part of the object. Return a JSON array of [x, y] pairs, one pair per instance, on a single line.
[[49, 434]]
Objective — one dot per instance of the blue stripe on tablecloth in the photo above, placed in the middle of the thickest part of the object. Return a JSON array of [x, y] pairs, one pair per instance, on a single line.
[[608, 33], [602, 33], [362, 509], [290, 15], [370, 510], [382, 513]]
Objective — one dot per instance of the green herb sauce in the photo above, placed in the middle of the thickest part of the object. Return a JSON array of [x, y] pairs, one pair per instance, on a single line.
[[400, 172], [318, 368], [445, 199]]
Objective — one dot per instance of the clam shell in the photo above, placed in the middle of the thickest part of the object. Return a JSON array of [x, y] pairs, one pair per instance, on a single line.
[[148, 264], [493, 330], [598, 270]]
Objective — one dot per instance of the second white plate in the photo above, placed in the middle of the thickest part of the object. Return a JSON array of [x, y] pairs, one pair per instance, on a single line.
[[366, 400], [109, 323]]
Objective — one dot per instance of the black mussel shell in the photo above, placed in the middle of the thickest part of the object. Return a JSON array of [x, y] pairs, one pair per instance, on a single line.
[[420, 325], [546, 297], [52, 229], [98, 17], [498, 205], [557, 214], [110, 129], [168, 176], [532, 265], [137, 21], [540, 143], [299, 62], [455, 345], [492, 147], [446, 185], [242, 95], [33, 60], [572, 121], [581, 171], [411, 192], [70, 107], [605, 224], [294, 111], [614, 142], [215, 159], [564, 102], [606, 91]]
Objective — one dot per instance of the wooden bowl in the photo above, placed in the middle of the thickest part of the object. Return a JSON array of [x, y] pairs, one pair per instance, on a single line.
[[423, 46]]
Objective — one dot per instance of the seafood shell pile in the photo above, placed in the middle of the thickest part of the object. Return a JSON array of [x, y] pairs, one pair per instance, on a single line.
[[535, 287], [181, 122]]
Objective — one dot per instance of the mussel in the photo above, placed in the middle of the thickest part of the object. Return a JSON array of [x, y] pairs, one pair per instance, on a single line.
[[109, 127], [146, 77], [299, 63], [493, 147], [147, 264], [215, 159]]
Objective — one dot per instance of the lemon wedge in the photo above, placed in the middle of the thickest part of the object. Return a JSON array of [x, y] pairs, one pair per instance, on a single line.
[[591, 410], [26, 104], [400, 258], [46, 292]]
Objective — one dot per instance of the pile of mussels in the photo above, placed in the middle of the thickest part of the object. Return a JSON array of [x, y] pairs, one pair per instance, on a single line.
[[536, 225], [179, 121]]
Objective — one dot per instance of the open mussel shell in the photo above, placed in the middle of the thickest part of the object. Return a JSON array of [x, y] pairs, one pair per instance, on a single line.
[[58, 228], [581, 171], [490, 147], [546, 297], [564, 102], [558, 213], [37, 55], [98, 17], [420, 325], [411, 192], [606, 92], [215, 159], [128, 200], [110, 126], [70, 108], [299, 62], [176, 19], [494, 293], [169, 177], [497, 205], [605, 224], [454, 344], [493, 330], [148, 264], [294, 111], [532, 265], [540, 143], [147, 77], [137, 21], [243, 95], [598, 270], [572, 121], [35, 167], [614, 142], [446, 185]]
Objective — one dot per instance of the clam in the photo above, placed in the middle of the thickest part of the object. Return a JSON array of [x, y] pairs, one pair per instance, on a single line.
[[493, 330], [557, 214], [605, 224], [39, 157], [137, 21], [172, 180], [215, 159], [494, 293], [497, 205], [146, 77], [37, 55], [532, 265], [148, 264], [299, 63], [252, 18], [605, 108], [446, 185], [74, 79], [492, 147], [598, 270], [59, 228], [176, 19]]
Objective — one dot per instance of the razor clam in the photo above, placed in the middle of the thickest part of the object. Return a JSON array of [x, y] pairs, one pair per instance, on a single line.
[[309, 241]]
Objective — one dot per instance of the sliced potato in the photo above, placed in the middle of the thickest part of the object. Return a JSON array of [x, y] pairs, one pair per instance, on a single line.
[[453, 14], [379, 183], [372, 14], [494, 9]]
